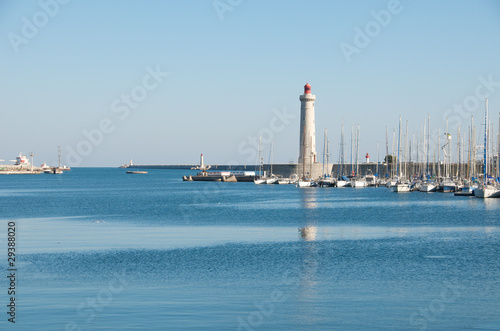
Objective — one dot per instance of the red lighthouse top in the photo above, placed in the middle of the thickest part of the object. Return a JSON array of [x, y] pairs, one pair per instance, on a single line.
[[307, 89]]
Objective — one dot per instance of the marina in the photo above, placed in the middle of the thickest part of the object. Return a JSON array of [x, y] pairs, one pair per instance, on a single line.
[[416, 164], [403, 171]]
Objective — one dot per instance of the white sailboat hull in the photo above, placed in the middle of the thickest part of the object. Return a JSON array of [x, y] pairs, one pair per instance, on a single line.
[[272, 181], [358, 183], [306, 183], [487, 192], [427, 188], [343, 183], [401, 188], [390, 183]]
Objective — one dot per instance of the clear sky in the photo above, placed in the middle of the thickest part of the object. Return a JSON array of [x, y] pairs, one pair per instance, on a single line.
[[90, 76]]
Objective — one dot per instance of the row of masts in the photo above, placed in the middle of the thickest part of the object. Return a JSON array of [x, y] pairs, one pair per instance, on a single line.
[[429, 158]]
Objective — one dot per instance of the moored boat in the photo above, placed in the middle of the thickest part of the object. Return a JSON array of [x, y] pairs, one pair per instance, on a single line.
[[487, 191], [306, 183], [401, 188], [427, 187]]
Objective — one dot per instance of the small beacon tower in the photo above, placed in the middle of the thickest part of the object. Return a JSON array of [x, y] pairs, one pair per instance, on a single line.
[[307, 144]]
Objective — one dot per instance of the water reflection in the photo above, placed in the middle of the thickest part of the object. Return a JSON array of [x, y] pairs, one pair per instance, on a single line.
[[309, 285], [491, 203], [308, 290], [309, 198], [308, 233]]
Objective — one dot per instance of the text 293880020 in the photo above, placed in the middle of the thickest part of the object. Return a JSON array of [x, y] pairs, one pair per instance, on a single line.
[[11, 271]]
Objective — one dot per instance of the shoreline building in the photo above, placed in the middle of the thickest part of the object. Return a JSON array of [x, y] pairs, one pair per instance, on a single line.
[[307, 143]]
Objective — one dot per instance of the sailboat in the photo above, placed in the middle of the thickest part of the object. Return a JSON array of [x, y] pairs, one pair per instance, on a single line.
[[486, 189], [428, 185], [272, 179], [326, 180], [342, 180], [259, 178], [401, 185], [357, 181]]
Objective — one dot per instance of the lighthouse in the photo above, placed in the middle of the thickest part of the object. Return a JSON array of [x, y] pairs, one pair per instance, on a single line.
[[307, 143]]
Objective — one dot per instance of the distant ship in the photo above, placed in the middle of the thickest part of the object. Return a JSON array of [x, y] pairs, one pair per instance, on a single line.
[[21, 160]]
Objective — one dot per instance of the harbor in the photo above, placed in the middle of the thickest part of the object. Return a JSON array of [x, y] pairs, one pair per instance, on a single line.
[[415, 161], [23, 166]]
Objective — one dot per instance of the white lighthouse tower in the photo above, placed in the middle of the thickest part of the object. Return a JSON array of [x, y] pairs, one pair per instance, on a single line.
[[307, 144]]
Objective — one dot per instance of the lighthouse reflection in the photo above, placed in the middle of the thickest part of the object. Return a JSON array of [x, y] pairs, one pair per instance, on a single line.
[[308, 233], [309, 261], [308, 228]]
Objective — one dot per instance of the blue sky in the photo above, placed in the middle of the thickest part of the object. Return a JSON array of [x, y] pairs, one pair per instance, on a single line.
[[231, 72]]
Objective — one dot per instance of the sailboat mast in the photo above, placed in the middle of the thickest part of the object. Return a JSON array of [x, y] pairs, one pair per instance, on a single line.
[[459, 153], [474, 151], [398, 171], [434, 161], [485, 162], [357, 151], [342, 160], [439, 156], [412, 141], [428, 139], [59, 155], [386, 151], [469, 154], [324, 151], [498, 148], [260, 156], [394, 160], [271, 158], [446, 173], [328, 157], [492, 151], [421, 148], [405, 158], [351, 148], [303, 154]]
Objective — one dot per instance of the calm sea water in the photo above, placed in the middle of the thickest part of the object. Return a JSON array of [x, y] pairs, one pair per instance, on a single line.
[[99, 249]]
